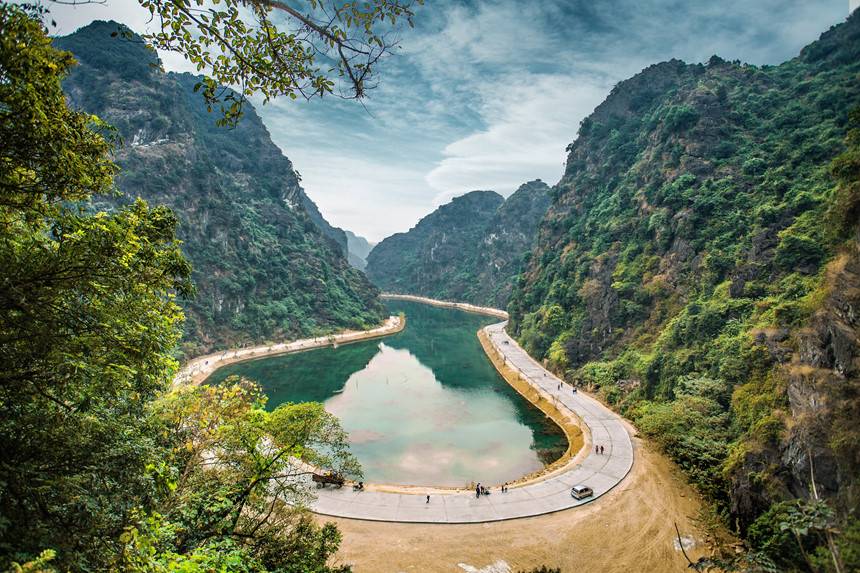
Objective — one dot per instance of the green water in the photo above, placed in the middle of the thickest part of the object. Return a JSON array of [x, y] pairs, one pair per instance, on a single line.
[[424, 406]]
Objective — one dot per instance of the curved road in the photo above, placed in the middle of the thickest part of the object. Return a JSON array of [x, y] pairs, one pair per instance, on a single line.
[[600, 472]]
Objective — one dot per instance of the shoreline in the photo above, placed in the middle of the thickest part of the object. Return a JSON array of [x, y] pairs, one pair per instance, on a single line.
[[448, 304], [577, 433], [197, 370]]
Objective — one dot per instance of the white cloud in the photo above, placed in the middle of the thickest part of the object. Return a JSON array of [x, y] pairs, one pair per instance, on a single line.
[[369, 198], [486, 94], [529, 123]]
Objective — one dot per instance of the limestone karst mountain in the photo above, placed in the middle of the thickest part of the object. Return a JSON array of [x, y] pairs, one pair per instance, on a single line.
[[266, 264], [694, 269], [470, 249]]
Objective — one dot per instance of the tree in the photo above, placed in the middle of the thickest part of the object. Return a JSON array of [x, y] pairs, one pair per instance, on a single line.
[[274, 48], [87, 316], [236, 480], [103, 468]]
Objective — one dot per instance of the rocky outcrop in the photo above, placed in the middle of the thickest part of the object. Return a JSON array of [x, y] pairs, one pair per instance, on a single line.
[[429, 258]]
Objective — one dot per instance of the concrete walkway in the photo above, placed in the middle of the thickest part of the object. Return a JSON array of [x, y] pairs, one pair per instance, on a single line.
[[599, 472], [198, 369]]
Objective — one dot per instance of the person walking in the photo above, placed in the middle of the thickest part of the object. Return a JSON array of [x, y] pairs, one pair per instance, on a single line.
[[428, 499], [596, 449], [601, 450], [478, 490]]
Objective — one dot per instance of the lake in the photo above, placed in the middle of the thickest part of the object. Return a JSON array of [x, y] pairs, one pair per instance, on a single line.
[[422, 407]]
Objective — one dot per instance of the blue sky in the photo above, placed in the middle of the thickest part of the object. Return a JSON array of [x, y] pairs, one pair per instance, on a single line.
[[486, 94]]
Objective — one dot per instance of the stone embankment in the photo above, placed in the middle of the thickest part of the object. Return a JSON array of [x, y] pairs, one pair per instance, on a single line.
[[448, 304], [198, 369]]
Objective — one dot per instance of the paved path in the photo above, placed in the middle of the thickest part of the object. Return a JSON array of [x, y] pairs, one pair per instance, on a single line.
[[198, 369], [600, 472]]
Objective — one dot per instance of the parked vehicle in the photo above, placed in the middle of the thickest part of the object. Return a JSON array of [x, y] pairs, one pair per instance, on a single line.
[[581, 492], [325, 479]]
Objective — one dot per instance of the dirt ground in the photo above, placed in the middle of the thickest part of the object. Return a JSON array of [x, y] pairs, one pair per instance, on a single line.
[[630, 529]]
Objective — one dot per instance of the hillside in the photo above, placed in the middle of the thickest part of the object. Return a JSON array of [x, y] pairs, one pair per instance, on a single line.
[[694, 270], [262, 267], [470, 249]]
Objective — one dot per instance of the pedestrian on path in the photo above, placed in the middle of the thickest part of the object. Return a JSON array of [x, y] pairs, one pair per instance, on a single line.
[[428, 499], [601, 450], [478, 490]]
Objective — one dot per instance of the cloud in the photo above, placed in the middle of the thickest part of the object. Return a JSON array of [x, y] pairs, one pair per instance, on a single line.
[[530, 119], [486, 94], [370, 198]]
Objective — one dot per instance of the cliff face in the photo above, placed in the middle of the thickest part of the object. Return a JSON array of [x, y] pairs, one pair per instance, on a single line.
[[689, 269], [263, 267], [468, 250]]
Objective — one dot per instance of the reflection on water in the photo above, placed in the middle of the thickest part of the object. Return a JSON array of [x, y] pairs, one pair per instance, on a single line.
[[422, 407]]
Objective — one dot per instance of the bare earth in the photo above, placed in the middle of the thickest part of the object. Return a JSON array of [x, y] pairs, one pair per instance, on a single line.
[[630, 529]]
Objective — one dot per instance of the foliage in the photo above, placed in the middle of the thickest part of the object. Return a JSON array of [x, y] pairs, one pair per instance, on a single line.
[[103, 467], [269, 47], [88, 320], [685, 257], [233, 484], [845, 211]]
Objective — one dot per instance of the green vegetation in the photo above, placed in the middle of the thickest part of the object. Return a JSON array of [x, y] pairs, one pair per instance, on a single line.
[[468, 250], [695, 268], [273, 49], [104, 467], [262, 266]]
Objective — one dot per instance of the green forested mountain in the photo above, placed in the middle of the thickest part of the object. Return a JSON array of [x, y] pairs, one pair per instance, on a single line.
[[262, 267], [470, 249], [699, 266]]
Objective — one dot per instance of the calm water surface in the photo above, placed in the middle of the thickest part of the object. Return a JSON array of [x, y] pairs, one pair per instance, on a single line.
[[424, 406]]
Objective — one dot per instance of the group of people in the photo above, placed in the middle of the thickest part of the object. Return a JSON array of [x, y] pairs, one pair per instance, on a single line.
[[573, 388], [481, 490], [598, 449]]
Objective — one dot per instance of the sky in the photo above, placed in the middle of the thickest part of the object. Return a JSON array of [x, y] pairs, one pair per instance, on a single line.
[[487, 94]]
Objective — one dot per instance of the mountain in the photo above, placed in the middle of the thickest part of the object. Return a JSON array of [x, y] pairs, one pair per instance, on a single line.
[[507, 242], [358, 249], [336, 234], [693, 270], [263, 267], [470, 249], [429, 258]]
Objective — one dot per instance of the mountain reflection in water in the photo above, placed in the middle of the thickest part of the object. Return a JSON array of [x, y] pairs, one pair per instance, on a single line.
[[422, 407]]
